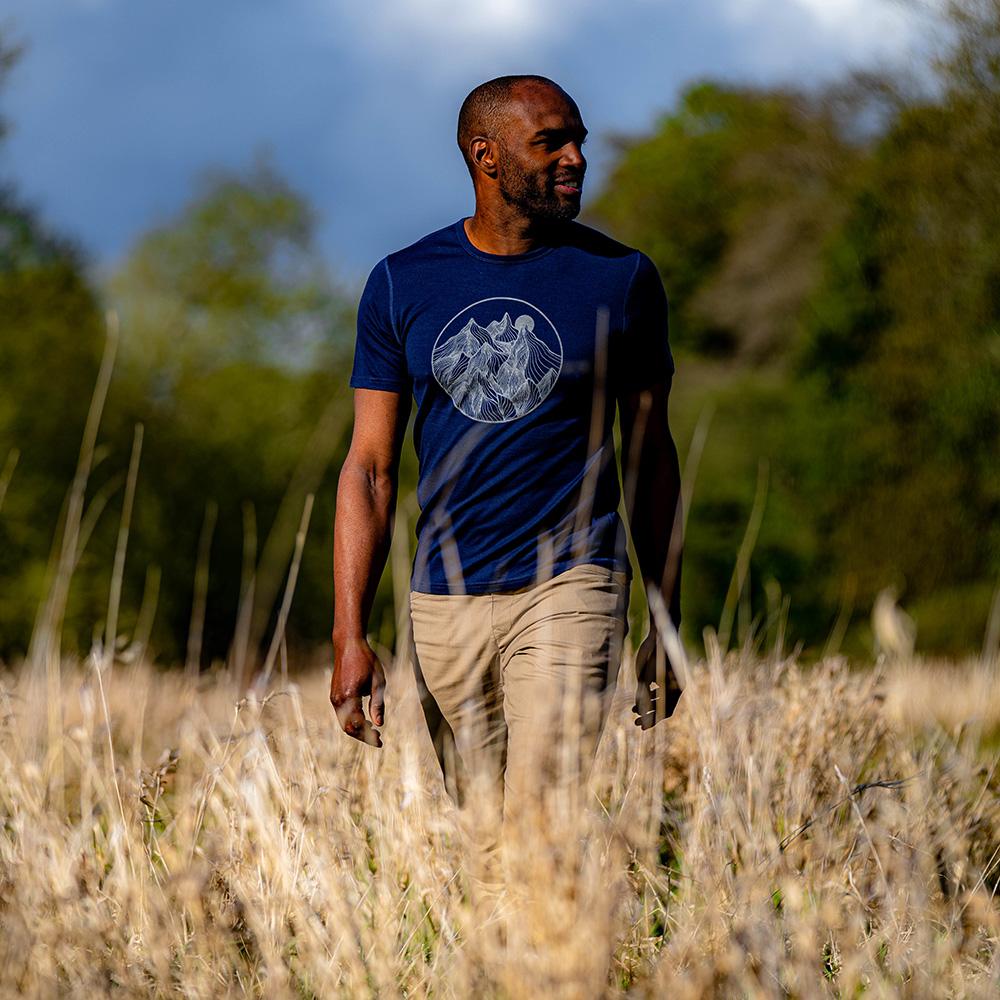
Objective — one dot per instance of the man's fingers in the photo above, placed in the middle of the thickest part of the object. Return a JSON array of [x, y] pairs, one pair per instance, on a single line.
[[646, 705], [654, 703], [353, 722], [376, 707], [349, 714], [368, 734]]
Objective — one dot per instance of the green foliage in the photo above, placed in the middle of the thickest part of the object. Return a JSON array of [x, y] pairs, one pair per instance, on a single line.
[[50, 337], [235, 278], [666, 193], [732, 196], [735, 196], [752, 427], [235, 352], [904, 335], [841, 253]]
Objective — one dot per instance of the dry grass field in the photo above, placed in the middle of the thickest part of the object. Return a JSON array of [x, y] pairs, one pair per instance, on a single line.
[[790, 832]]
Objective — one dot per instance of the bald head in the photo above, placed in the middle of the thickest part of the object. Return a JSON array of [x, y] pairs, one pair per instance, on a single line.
[[521, 138], [486, 111]]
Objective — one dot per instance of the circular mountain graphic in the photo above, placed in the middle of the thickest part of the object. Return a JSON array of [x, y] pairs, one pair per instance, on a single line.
[[497, 359]]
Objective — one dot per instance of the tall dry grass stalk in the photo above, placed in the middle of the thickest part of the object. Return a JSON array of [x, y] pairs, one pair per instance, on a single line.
[[790, 832], [7, 473]]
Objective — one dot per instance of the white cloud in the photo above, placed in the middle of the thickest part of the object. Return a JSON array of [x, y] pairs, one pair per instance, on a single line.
[[499, 20], [452, 35], [872, 24], [833, 13], [862, 27]]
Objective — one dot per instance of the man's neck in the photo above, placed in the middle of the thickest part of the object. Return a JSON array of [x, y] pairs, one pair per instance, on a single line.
[[502, 233]]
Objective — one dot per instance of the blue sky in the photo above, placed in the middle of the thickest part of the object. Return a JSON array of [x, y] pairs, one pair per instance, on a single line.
[[117, 105]]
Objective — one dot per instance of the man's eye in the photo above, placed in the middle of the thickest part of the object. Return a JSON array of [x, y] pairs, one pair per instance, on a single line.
[[556, 143]]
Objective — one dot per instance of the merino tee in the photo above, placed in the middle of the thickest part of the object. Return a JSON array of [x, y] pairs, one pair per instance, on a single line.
[[516, 362]]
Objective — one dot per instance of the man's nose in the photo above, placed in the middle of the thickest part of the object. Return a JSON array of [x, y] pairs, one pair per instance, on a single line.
[[573, 157]]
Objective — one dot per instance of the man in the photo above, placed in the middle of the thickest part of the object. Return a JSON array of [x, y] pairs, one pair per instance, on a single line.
[[518, 331]]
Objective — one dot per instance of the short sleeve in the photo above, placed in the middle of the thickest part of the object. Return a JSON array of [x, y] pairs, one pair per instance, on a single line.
[[379, 358], [643, 356]]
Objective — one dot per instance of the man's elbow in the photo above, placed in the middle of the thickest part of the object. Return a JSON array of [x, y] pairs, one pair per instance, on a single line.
[[378, 477]]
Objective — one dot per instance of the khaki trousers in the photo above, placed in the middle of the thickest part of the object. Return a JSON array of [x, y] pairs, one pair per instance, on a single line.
[[524, 679]]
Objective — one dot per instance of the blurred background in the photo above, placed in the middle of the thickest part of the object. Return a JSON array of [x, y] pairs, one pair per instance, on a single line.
[[817, 181]]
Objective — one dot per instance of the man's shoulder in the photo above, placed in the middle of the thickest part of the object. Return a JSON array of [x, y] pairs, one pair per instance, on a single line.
[[594, 242], [423, 247], [382, 277]]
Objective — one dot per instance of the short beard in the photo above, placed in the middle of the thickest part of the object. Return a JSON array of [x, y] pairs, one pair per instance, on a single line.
[[527, 193]]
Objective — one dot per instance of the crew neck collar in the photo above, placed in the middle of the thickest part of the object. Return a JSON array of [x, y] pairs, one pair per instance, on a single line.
[[498, 258]]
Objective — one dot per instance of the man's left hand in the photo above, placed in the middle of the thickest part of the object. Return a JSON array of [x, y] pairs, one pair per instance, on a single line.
[[657, 689]]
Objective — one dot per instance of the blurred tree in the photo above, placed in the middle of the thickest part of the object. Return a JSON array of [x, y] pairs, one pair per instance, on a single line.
[[733, 196], [51, 332], [837, 255], [234, 278], [234, 353], [905, 346]]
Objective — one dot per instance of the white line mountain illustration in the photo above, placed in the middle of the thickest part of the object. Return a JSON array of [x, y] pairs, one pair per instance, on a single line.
[[496, 372]]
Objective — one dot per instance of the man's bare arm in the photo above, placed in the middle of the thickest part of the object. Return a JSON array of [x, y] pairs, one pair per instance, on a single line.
[[366, 504], [652, 481]]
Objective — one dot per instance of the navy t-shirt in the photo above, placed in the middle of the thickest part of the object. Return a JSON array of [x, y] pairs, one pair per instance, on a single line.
[[515, 362]]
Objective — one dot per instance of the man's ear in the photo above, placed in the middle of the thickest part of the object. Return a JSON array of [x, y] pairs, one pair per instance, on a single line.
[[484, 155]]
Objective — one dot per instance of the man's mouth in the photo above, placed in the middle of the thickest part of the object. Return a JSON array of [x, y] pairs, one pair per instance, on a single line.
[[569, 186]]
